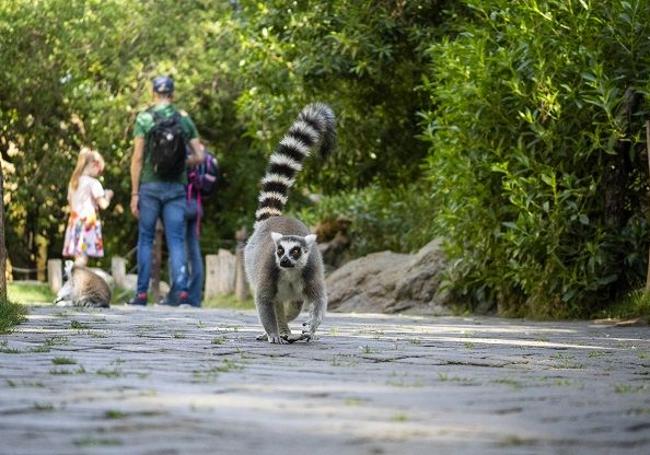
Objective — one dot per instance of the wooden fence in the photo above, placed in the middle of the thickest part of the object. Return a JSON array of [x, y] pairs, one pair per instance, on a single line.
[[224, 271], [224, 275]]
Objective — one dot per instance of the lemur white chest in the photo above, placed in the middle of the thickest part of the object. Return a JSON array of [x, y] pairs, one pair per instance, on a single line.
[[290, 285]]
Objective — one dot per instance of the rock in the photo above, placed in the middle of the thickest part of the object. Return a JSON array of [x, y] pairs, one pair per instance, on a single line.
[[390, 282], [366, 284], [634, 322], [616, 322]]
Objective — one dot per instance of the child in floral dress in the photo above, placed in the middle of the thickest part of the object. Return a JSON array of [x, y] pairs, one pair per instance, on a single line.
[[83, 235]]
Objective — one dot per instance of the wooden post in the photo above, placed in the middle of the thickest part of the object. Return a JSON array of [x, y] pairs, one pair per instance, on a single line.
[[226, 273], [9, 272], [647, 144], [220, 273], [118, 270], [3, 248], [210, 276], [241, 286], [156, 262], [55, 274], [41, 260]]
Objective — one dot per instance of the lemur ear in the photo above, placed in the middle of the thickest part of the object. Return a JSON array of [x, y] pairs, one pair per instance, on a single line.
[[276, 236], [310, 239]]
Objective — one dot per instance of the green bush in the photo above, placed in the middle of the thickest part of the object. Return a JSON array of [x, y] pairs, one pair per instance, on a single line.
[[537, 153], [243, 70], [399, 219], [635, 303], [530, 135]]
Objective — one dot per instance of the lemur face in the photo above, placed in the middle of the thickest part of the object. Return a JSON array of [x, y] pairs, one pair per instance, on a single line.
[[292, 251]]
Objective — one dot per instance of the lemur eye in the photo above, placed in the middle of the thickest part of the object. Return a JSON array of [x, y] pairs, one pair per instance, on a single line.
[[280, 251], [295, 252]]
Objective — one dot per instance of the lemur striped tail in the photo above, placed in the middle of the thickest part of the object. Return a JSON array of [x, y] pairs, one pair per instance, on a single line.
[[314, 127]]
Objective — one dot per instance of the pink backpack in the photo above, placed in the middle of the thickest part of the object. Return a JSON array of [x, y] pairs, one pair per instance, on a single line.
[[201, 183]]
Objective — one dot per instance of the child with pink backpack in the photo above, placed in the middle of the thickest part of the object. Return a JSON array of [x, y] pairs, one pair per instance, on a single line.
[[201, 184]]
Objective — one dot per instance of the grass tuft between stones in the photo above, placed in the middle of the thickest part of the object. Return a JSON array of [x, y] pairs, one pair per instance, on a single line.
[[11, 314]]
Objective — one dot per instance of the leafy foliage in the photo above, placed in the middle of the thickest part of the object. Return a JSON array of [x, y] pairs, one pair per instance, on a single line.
[[242, 73], [364, 58], [82, 83], [513, 129], [537, 152], [379, 218], [635, 303]]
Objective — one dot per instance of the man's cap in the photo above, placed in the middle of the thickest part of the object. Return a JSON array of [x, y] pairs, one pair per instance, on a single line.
[[163, 84]]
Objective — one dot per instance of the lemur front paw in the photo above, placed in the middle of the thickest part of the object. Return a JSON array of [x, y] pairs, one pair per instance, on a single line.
[[276, 339], [292, 338], [309, 335]]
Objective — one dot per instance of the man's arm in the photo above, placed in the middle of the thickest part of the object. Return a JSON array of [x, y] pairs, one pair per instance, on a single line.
[[196, 148], [197, 155], [136, 169]]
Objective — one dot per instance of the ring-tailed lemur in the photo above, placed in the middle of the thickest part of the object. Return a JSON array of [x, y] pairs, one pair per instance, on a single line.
[[283, 264], [83, 288]]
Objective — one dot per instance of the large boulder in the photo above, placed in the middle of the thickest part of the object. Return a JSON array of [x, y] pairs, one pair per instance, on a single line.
[[390, 282]]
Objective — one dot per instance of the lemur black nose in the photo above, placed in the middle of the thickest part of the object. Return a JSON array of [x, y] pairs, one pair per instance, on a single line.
[[285, 262]]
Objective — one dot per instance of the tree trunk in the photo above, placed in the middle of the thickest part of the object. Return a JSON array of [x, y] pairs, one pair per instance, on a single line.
[[647, 144], [3, 250]]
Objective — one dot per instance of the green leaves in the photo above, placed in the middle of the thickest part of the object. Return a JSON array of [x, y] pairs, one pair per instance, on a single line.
[[77, 74], [543, 153], [507, 127]]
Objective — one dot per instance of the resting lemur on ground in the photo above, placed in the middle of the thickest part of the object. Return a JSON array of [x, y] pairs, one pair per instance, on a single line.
[[282, 261], [83, 288]]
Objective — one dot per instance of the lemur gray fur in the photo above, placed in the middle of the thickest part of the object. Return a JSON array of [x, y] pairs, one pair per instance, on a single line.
[[83, 288], [282, 261]]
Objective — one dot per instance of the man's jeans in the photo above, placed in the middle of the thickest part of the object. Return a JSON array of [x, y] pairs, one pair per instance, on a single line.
[[167, 201]]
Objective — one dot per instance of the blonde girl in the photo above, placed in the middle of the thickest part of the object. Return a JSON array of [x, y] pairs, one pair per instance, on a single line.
[[83, 235]]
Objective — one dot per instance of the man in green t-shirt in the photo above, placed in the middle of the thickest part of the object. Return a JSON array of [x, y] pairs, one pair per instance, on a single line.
[[154, 196]]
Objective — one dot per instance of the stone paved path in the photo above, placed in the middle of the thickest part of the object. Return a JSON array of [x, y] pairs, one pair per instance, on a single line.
[[168, 381]]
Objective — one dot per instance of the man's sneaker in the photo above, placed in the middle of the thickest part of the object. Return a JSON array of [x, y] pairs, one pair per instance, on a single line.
[[183, 298], [165, 301], [139, 299]]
